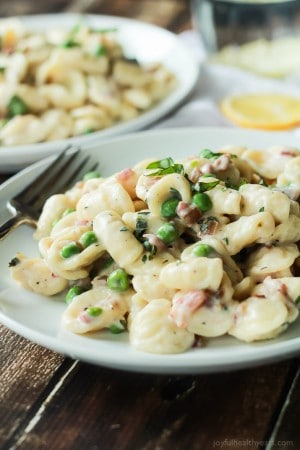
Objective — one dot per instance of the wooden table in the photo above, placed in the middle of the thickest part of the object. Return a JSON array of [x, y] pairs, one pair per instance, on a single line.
[[52, 402]]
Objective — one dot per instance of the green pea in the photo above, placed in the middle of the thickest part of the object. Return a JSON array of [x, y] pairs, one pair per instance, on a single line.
[[88, 238], [202, 250], [168, 208], [94, 311], [168, 233], [202, 201], [118, 280], [117, 327], [70, 249], [90, 175], [73, 291]]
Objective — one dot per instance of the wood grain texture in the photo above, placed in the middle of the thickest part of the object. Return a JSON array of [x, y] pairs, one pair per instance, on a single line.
[[286, 432], [25, 372], [54, 403], [103, 409], [171, 14]]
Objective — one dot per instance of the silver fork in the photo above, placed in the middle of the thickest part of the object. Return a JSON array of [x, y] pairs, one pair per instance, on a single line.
[[68, 167]]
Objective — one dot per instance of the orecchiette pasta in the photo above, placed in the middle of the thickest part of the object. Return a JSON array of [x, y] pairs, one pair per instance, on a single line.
[[61, 83], [171, 251], [153, 331], [95, 309]]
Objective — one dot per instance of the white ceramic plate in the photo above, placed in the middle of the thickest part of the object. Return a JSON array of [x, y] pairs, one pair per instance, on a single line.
[[147, 43], [38, 318]]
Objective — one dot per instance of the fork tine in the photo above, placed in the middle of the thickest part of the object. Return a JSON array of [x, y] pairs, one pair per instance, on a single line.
[[81, 170], [38, 182], [61, 183], [52, 179], [73, 174], [54, 182]]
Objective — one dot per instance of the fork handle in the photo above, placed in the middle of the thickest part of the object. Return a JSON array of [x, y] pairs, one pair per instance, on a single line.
[[13, 223]]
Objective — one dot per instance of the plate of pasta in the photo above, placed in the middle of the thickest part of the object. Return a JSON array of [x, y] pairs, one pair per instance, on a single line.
[[180, 256], [80, 78]]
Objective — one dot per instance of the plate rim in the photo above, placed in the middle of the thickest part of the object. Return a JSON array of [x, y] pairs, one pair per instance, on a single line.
[[260, 354], [9, 154]]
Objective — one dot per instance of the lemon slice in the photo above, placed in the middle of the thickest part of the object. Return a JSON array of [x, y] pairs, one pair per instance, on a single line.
[[264, 111], [276, 58]]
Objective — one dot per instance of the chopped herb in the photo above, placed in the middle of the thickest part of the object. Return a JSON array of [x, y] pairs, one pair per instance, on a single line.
[[14, 262], [261, 209], [206, 224], [140, 227], [203, 187], [226, 240], [144, 258], [89, 131], [297, 300], [124, 229], [107, 262], [208, 154], [208, 175], [152, 249], [101, 50], [70, 43], [235, 186], [2, 69], [16, 107], [164, 167]]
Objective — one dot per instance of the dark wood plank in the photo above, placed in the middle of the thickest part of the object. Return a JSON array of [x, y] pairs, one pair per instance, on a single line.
[[25, 371], [21, 7], [49, 402], [103, 409], [164, 13], [171, 14], [286, 431]]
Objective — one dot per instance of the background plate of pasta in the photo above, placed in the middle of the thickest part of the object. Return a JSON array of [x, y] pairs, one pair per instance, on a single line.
[[181, 256], [80, 78]]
